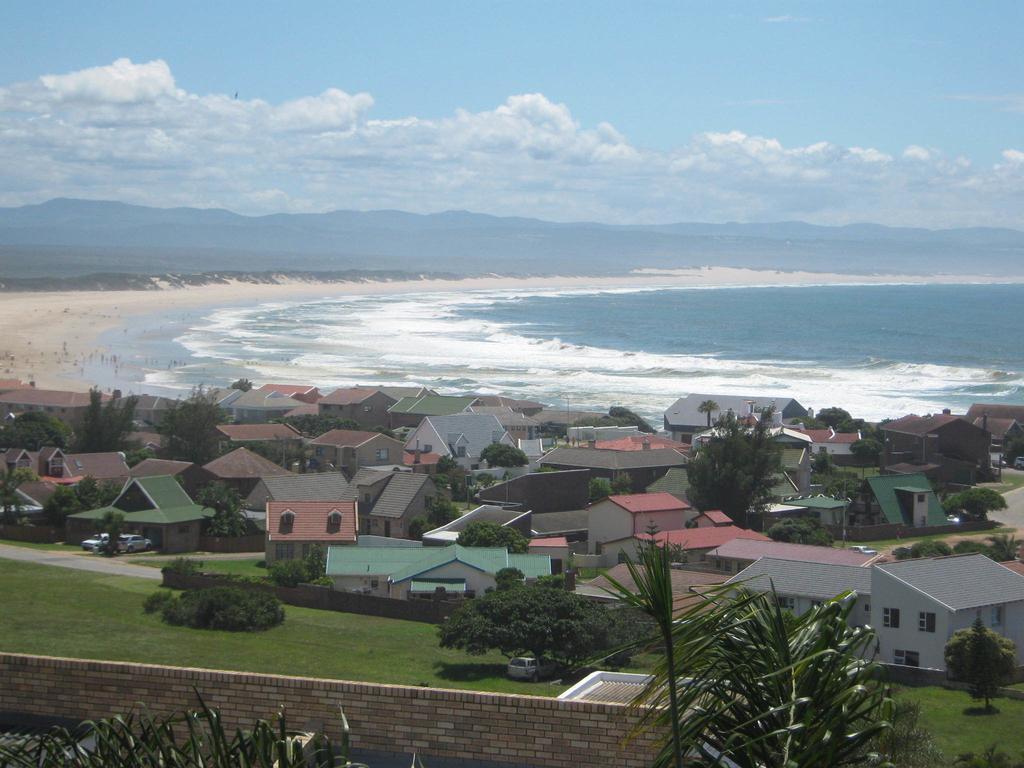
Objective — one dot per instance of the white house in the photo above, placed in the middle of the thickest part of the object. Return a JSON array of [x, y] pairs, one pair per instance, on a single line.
[[622, 517], [462, 437]]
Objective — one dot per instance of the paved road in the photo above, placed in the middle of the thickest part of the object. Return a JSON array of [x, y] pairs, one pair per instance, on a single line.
[[1013, 515], [83, 562]]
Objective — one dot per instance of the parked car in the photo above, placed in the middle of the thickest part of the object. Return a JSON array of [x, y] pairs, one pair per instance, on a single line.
[[1018, 463], [94, 541], [953, 519], [131, 542], [526, 668], [864, 550]]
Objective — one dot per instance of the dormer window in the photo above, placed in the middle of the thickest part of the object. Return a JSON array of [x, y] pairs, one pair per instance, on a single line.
[[287, 521], [334, 521]]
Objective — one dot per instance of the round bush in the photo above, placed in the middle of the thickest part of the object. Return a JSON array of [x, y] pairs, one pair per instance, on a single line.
[[157, 601], [227, 608]]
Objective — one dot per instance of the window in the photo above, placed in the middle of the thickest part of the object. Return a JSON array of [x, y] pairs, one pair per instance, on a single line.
[[920, 500], [284, 551], [925, 622], [382, 454], [374, 583], [891, 618], [305, 549], [786, 603], [428, 448], [867, 607], [907, 658], [367, 409], [387, 527], [997, 615], [319, 451], [461, 451], [366, 498]]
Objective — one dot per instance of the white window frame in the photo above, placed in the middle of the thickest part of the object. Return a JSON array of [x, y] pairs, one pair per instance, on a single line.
[[887, 618]]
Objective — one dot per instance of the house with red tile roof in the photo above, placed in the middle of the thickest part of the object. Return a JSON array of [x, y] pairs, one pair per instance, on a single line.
[[640, 443], [351, 449], [67, 406], [738, 553], [689, 545], [301, 392], [293, 527], [712, 518], [258, 433], [555, 547], [366, 406], [622, 517], [829, 441]]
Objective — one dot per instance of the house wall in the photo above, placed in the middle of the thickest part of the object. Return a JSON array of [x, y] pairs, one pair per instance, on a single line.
[[369, 584], [461, 728], [889, 592], [608, 521], [299, 547], [174, 537], [372, 412], [476, 581], [365, 455]]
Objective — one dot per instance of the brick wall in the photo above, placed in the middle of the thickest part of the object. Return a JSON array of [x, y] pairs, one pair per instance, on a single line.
[[892, 530], [37, 534], [253, 542], [443, 724]]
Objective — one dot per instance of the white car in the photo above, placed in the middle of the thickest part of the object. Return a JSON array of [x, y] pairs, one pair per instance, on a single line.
[[95, 541], [864, 550], [526, 668], [131, 542]]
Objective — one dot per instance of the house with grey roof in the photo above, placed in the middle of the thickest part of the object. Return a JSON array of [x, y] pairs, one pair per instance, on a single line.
[[917, 605], [258, 406], [462, 437], [642, 467], [390, 501], [313, 486], [410, 411], [541, 492], [684, 418], [486, 513]]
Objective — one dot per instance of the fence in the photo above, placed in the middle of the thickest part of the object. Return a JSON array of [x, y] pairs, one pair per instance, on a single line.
[[896, 531], [254, 542], [918, 676], [33, 534], [326, 599]]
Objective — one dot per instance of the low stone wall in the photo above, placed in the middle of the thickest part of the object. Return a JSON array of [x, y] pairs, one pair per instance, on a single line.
[[255, 542], [34, 534], [327, 599], [893, 531], [441, 726]]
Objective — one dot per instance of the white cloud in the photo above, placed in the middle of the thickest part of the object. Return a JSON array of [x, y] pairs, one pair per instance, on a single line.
[[127, 131]]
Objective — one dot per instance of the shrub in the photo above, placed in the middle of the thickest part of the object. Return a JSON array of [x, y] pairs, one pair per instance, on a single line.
[[288, 573], [322, 581], [156, 601], [226, 608], [183, 566]]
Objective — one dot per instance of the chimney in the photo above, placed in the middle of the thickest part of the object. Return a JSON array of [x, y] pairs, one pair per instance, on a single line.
[[946, 412]]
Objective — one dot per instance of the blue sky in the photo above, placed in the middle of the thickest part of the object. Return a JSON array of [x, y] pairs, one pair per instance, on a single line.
[[943, 78]]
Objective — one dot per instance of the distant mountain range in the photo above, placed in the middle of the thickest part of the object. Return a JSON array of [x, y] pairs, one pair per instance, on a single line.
[[65, 238]]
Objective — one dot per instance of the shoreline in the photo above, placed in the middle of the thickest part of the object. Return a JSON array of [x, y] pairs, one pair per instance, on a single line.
[[56, 338]]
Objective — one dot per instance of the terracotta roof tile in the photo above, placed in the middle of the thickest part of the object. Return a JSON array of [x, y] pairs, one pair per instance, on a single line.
[[333, 521], [705, 538], [648, 502], [344, 437], [258, 432], [243, 463]]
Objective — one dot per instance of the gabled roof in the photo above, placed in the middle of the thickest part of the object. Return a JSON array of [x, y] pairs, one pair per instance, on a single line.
[[922, 425], [290, 390], [716, 516], [345, 437], [639, 503], [57, 398], [997, 410], [36, 492], [569, 521], [401, 564], [254, 400], [752, 549], [169, 503], [829, 436], [108, 465], [313, 486], [638, 443], [817, 581], [704, 538], [886, 489], [597, 458], [959, 582], [683, 412], [998, 427], [475, 431], [401, 490], [349, 395], [683, 582], [432, 405], [162, 490], [333, 521], [817, 502], [258, 432], [243, 463], [150, 467]]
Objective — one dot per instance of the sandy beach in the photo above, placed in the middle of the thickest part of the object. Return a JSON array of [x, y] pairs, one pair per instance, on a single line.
[[49, 335]]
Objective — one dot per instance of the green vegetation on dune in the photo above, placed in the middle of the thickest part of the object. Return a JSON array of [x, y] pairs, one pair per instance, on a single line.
[[951, 718], [56, 612]]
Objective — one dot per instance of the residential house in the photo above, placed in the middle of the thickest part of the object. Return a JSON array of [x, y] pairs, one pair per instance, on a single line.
[[155, 507], [47, 462], [946, 448], [917, 605], [587, 433], [256, 407], [838, 445], [525, 407], [312, 486], [689, 545], [642, 467], [66, 406], [410, 572], [507, 518], [683, 418], [622, 517], [560, 419], [518, 425], [825, 509], [410, 411], [293, 527], [802, 585], [34, 494], [151, 409], [1004, 422], [904, 500], [541, 492], [351, 449], [555, 547], [462, 437], [686, 585], [569, 523], [712, 518], [795, 478], [418, 461], [676, 481], [641, 442], [192, 477], [740, 552], [366, 406], [390, 501], [258, 433], [301, 392], [242, 469], [105, 466]]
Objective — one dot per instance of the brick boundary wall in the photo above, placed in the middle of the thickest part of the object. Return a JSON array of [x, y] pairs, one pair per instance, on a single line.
[[871, 533], [447, 725], [35, 534], [325, 599]]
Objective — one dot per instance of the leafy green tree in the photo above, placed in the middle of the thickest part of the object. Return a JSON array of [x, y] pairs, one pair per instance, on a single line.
[[622, 484], [312, 425], [485, 479], [485, 534], [600, 488], [10, 499], [735, 470], [1003, 547], [800, 530], [907, 743], [991, 757], [975, 503], [137, 456], [35, 430], [112, 524], [837, 418], [190, 427], [243, 385], [972, 547], [631, 419], [63, 502], [315, 563], [1013, 447], [983, 659], [529, 620], [93, 494], [822, 463], [925, 548], [105, 427], [866, 451], [708, 407], [288, 573], [441, 511], [508, 578], [502, 455], [226, 504], [417, 527]]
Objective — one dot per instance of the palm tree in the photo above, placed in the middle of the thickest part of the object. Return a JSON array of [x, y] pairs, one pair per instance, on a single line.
[[1003, 547], [707, 408], [741, 679]]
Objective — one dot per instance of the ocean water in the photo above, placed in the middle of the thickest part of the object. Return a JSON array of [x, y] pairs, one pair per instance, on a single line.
[[878, 350]]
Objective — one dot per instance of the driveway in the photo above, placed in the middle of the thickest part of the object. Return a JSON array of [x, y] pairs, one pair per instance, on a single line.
[[1013, 515], [95, 563]]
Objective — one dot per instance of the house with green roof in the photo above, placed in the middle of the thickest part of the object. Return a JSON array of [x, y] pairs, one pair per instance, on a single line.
[[827, 510], [410, 411], [410, 572], [903, 500], [157, 508]]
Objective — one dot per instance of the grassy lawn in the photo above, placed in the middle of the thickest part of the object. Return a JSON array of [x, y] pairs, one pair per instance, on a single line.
[[1010, 481], [246, 567], [907, 541], [952, 718], [71, 549], [56, 612]]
